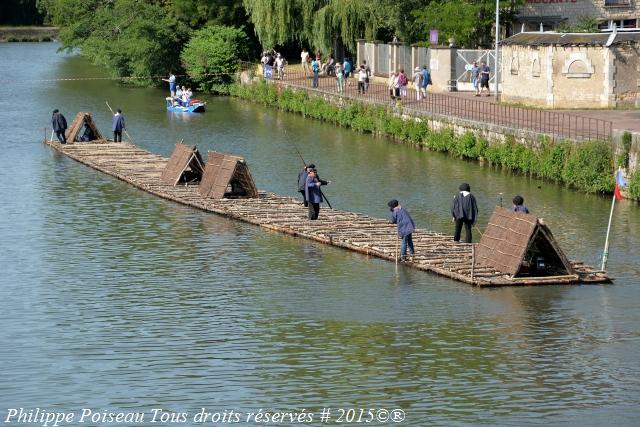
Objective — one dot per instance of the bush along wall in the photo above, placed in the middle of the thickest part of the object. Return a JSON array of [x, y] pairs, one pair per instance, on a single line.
[[586, 166]]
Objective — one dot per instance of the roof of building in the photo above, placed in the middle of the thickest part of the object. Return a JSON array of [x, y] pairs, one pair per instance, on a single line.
[[571, 39]]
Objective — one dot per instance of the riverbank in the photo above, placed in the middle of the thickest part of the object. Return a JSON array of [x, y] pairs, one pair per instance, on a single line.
[[28, 34], [587, 166]]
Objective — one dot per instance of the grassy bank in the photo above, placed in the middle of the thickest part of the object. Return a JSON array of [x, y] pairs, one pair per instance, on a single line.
[[28, 34], [587, 166]]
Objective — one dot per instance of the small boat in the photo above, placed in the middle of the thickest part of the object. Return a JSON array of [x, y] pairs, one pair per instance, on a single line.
[[195, 106]]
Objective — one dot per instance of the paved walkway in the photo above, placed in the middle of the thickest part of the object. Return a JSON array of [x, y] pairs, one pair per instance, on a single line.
[[561, 124]]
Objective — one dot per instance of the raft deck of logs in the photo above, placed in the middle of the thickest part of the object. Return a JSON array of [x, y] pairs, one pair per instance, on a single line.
[[435, 252]]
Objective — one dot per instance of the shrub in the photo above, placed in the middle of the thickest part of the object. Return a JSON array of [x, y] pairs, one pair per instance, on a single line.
[[590, 167], [211, 56], [634, 185]]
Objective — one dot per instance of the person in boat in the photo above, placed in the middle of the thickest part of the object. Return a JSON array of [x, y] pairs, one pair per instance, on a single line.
[[313, 193], [464, 211], [518, 205], [59, 124], [172, 84], [406, 227], [117, 125]]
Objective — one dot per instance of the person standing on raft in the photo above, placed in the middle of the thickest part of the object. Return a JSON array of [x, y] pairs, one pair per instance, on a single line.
[[118, 126], [313, 193], [464, 211], [59, 124], [302, 182], [172, 84], [406, 227]]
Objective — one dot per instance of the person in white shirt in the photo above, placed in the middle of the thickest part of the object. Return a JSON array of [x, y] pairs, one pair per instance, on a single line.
[[280, 66], [362, 78], [304, 59], [417, 82]]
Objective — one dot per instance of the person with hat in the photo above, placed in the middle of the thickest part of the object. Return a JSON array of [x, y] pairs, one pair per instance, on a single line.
[[59, 124], [302, 182], [313, 192], [518, 205], [464, 211], [417, 82], [406, 227], [117, 125]]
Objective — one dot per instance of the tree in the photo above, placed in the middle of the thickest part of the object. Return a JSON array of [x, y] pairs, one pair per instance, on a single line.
[[19, 12], [212, 54], [129, 37]]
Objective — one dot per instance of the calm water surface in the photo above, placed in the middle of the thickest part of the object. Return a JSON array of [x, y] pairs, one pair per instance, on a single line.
[[114, 299]]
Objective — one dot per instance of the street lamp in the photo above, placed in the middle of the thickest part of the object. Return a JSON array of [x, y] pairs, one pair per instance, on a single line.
[[497, 72]]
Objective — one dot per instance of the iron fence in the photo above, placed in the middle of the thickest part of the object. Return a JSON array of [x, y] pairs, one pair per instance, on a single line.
[[556, 125]]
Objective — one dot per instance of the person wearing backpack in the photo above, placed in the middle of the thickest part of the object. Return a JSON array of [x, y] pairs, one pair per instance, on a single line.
[[315, 67], [402, 83]]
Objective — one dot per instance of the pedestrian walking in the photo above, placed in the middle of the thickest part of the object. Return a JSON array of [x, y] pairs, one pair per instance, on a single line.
[[464, 211], [485, 73], [362, 80], [368, 70], [475, 77], [315, 68], [305, 61], [391, 83], [417, 82], [518, 205], [403, 82], [117, 125], [314, 194], [425, 81], [406, 227], [347, 68], [339, 77], [59, 124], [280, 63]]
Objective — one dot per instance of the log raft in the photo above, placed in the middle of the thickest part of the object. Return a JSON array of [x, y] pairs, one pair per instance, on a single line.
[[435, 252]]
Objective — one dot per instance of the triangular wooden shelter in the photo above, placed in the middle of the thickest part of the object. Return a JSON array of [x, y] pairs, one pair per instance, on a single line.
[[185, 164], [226, 175], [77, 129], [521, 245]]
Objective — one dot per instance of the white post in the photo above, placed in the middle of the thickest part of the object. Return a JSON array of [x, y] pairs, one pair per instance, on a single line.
[[497, 71], [605, 254]]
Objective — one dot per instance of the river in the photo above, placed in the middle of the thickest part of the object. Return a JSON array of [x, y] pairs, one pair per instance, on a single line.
[[112, 299]]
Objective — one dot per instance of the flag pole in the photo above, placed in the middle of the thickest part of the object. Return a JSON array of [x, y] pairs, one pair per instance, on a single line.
[[605, 254]]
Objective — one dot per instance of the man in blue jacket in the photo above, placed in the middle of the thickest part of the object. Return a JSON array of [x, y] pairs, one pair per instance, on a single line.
[[406, 226], [314, 195], [118, 126]]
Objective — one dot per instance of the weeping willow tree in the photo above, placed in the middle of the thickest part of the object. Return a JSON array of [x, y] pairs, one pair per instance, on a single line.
[[317, 22]]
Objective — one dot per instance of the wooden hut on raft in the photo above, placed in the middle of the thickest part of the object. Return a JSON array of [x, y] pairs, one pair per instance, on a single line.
[[522, 247], [83, 122], [227, 176], [184, 165]]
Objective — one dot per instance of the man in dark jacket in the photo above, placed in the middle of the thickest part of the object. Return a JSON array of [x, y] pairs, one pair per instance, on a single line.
[[406, 226], [59, 124], [118, 126], [464, 212], [314, 195], [302, 182]]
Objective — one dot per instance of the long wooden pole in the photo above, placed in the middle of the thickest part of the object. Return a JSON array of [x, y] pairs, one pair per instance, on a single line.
[[125, 130], [605, 254], [305, 165]]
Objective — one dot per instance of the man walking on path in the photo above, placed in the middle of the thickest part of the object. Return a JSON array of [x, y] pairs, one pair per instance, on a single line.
[[304, 60], [485, 73], [362, 80], [464, 211], [426, 81], [117, 126], [314, 195], [475, 77], [59, 124], [406, 227], [417, 82]]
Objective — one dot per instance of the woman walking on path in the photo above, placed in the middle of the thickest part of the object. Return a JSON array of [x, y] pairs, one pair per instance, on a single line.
[[339, 78], [417, 82]]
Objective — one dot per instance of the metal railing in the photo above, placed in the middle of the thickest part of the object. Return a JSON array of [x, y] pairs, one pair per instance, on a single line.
[[556, 125]]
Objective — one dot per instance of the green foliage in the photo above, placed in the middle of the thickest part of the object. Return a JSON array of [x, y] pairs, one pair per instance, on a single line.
[[585, 24], [634, 185], [590, 167], [623, 159], [128, 37], [211, 53], [470, 23], [587, 166]]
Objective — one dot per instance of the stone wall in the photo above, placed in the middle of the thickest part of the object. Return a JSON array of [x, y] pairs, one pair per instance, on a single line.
[[571, 77], [573, 10], [634, 151]]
